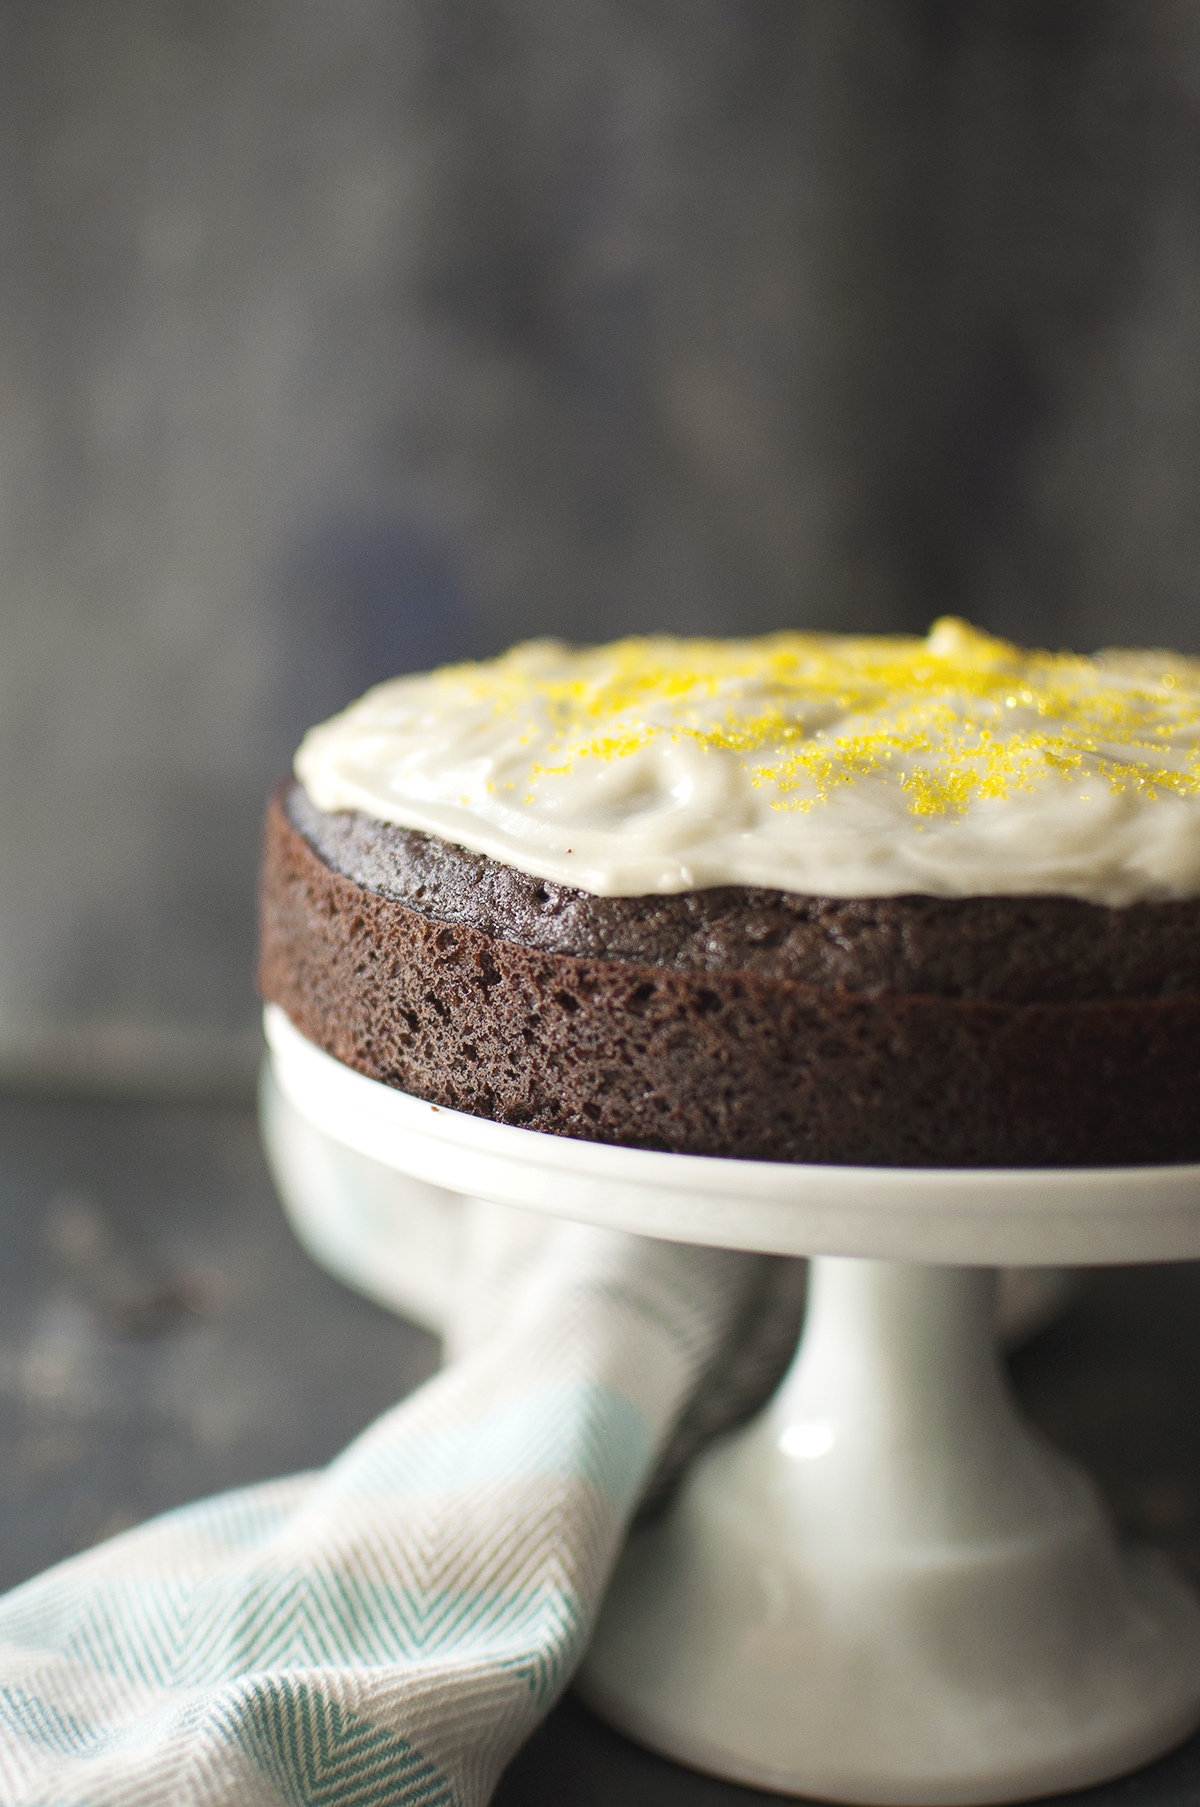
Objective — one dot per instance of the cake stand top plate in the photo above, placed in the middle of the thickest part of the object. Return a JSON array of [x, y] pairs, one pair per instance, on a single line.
[[1002, 1217]]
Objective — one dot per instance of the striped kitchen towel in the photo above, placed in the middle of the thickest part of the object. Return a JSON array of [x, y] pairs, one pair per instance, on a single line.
[[390, 1629]]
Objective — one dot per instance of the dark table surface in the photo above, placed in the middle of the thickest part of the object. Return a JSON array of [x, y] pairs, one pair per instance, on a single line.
[[163, 1337]]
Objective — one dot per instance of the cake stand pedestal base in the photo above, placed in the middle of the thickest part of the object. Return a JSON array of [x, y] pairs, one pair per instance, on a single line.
[[887, 1588]]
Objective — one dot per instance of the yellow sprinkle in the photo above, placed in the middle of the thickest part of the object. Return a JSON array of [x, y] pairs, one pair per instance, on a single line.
[[807, 713]]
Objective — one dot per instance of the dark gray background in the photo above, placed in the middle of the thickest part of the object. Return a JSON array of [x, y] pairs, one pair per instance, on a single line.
[[339, 337]]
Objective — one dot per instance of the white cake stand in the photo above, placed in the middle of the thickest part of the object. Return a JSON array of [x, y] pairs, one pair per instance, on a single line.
[[886, 1588]]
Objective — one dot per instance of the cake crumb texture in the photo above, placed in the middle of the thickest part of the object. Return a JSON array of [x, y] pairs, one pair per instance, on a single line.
[[727, 1062]]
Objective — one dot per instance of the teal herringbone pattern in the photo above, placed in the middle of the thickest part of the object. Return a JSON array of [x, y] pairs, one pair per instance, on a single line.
[[385, 1633], [318, 1755], [172, 1635]]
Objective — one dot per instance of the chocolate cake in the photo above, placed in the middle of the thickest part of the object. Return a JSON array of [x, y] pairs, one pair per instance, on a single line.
[[738, 1019]]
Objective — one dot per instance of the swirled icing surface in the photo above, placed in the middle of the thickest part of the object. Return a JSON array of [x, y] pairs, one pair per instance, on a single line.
[[957, 765]]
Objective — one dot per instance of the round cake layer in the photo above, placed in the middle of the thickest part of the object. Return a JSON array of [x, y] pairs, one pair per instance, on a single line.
[[904, 1031]]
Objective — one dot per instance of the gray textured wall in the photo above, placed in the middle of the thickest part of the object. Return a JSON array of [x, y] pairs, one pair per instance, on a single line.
[[342, 336]]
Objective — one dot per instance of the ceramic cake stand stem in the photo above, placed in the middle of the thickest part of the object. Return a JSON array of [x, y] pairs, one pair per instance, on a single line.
[[885, 1588]]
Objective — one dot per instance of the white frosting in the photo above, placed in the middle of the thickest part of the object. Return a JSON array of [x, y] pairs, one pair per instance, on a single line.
[[846, 767]]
